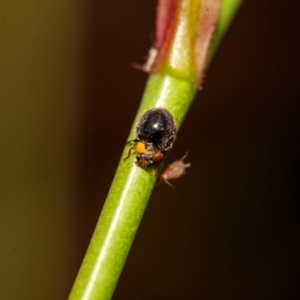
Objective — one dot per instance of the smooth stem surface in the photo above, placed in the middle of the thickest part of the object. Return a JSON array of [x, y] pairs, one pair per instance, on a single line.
[[227, 13], [127, 199]]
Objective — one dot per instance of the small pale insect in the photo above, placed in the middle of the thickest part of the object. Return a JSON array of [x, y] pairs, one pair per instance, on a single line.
[[174, 171]]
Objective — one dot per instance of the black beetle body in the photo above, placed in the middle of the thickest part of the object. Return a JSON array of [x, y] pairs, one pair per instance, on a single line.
[[157, 126], [155, 134]]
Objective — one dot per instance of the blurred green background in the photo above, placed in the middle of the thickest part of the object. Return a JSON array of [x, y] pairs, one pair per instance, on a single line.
[[67, 99]]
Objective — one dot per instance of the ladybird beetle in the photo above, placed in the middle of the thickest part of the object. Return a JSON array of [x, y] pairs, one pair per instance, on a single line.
[[174, 171], [155, 135]]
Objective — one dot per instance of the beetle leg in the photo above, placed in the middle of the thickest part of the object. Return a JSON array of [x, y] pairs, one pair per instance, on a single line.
[[158, 168], [129, 153], [128, 142]]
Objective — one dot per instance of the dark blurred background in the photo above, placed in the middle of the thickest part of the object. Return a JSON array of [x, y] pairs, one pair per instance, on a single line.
[[67, 100]]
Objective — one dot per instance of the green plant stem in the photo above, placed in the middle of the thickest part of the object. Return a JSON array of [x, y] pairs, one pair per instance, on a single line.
[[130, 193], [127, 199], [227, 12]]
